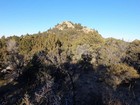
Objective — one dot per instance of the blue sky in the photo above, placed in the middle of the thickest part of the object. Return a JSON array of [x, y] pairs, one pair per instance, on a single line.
[[112, 18]]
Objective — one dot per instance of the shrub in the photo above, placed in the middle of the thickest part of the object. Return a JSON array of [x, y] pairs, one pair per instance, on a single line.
[[111, 52], [116, 74], [133, 55]]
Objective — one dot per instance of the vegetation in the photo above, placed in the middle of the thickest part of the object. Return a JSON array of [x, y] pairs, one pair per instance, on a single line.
[[69, 65], [115, 74]]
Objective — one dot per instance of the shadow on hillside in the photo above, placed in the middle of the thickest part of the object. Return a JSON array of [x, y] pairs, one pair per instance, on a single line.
[[64, 84]]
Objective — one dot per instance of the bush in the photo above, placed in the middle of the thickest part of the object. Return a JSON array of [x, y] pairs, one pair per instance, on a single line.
[[133, 55], [111, 52], [116, 74]]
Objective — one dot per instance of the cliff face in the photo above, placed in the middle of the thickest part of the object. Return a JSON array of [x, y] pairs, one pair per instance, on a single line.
[[69, 65]]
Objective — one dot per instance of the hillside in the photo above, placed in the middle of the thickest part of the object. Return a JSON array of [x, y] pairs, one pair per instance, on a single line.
[[69, 64]]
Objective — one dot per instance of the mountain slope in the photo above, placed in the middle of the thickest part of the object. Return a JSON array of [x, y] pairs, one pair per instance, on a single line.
[[69, 64]]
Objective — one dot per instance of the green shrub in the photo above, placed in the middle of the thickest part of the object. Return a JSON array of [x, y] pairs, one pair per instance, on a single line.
[[116, 74]]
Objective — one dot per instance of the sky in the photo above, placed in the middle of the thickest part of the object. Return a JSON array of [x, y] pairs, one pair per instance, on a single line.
[[112, 18]]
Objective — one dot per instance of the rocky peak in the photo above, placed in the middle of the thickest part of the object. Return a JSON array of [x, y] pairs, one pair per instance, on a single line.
[[64, 25], [70, 25]]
